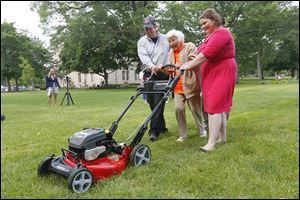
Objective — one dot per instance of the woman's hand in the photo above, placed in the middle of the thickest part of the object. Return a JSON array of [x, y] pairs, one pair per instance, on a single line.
[[178, 64], [194, 63], [184, 66]]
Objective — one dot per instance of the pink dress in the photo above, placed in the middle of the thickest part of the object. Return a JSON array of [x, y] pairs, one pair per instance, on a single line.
[[218, 73]]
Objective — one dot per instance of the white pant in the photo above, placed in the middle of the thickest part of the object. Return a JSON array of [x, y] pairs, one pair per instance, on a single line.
[[52, 90]]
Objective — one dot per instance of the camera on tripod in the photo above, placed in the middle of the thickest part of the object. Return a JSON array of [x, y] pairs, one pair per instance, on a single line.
[[68, 94], [68, 79]]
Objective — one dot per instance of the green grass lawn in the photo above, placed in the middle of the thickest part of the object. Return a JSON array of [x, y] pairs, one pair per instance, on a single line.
[[260, 160]]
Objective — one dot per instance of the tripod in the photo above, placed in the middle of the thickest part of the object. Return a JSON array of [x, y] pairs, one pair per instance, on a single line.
[[68, 94]]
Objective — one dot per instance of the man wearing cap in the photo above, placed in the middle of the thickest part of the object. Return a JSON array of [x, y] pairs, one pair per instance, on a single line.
[[153, 51]]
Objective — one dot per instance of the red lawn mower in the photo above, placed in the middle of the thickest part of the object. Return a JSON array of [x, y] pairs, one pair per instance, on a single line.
[[93, 154]]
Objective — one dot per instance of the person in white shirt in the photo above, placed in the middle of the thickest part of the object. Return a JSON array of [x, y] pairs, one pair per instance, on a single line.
[[153, 51]]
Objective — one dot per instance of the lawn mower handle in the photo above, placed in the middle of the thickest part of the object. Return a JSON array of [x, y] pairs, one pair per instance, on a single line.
[[168, 65], [163, 67], [171, 85], [173, 66]]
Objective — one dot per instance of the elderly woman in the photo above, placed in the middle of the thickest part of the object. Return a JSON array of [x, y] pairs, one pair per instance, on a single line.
[[218, 73], [188, 87]]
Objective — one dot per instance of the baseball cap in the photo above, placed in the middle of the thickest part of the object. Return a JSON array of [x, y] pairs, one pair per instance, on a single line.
[[150, 22]]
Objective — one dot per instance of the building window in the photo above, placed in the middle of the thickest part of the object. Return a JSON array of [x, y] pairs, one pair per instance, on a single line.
[[84, 76], [135, 76], [123, 75], [79, 77]]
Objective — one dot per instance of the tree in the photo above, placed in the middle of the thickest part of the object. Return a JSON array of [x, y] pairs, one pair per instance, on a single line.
[[258, 28], [286, 58], [10, 52], [98, 37], [28, 72], [15, 46], [183, 16], [287, 47], [37, 55]]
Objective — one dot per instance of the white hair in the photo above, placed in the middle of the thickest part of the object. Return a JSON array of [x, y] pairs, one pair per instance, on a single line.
[[178, 34]]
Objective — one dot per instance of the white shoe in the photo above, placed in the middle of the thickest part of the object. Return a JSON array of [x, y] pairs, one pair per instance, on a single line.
[[203, 133], [181, 139], [220, 141], [206, 149]]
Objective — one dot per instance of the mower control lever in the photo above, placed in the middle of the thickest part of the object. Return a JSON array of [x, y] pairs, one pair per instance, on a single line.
[[172, 71]]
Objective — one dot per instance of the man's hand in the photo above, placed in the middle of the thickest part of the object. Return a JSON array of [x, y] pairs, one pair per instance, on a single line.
[[155, 69]]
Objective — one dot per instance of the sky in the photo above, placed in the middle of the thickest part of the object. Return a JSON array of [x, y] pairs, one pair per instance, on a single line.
[[25, 19]]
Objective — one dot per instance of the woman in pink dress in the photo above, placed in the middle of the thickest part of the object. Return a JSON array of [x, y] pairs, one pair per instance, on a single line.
[[218, 73]]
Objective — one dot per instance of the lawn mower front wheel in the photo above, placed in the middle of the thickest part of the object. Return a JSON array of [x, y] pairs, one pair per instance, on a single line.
[[43, 168], [80, 180], [140, 155]]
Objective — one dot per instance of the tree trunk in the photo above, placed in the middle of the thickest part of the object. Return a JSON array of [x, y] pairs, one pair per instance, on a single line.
[[106, 78], [260, 75], [133, 5], [32, 85], [292, 73], [8, 84], [17, 88]]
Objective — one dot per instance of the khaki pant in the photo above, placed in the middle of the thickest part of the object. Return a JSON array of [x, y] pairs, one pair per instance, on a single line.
[[195, 106], [204, 114]]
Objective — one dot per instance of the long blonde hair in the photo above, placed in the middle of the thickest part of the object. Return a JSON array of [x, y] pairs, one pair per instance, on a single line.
[[51, 70]]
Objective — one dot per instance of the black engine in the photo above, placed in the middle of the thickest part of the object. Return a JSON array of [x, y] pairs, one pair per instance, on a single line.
[[92, 143]]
